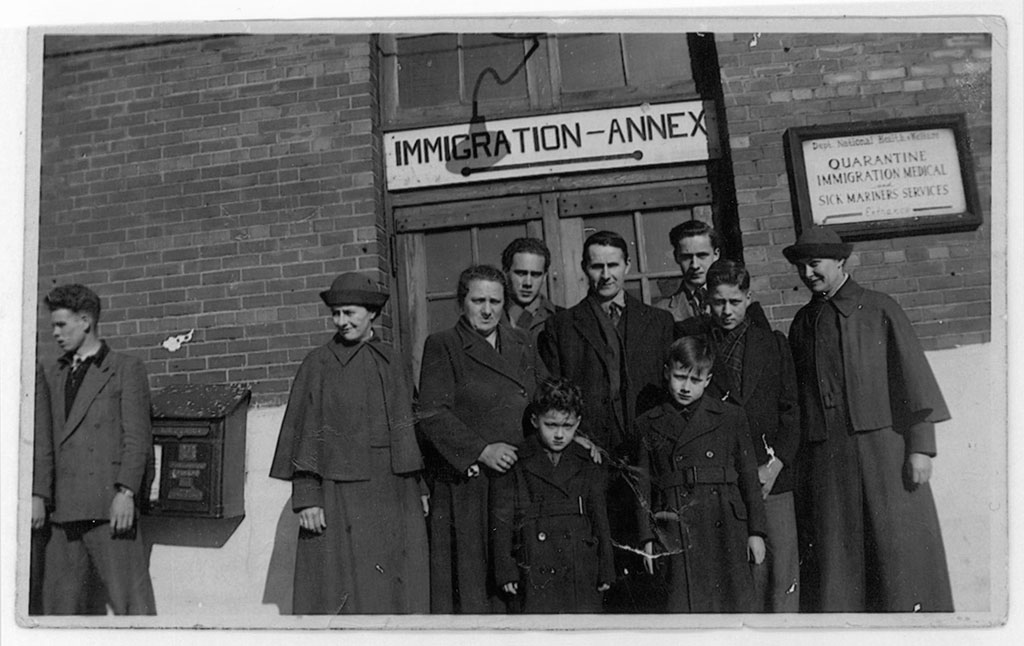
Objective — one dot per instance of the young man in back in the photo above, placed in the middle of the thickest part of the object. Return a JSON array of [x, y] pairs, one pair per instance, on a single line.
[[525, 262], [93, 441]]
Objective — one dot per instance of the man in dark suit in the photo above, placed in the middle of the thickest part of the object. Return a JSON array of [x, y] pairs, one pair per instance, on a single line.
[[613, 347], [754, 369], [93, 441]]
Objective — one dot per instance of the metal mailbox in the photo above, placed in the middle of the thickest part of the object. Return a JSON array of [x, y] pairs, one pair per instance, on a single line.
[[199, 449]]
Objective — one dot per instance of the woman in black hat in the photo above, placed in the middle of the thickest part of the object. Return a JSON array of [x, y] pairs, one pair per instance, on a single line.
[[348, 446]]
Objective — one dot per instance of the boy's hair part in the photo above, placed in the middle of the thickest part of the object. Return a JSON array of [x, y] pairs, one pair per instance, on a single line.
[[77, 298], [479, 272], [728, 272], [692, 353], [525, 245], [691, 229], [557, 394], [604, 239]]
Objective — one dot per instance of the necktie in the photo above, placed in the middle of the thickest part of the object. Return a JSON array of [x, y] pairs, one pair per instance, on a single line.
[[615, 313]]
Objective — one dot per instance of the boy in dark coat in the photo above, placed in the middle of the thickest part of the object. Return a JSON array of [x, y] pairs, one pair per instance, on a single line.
[[754, 369], [549, 524], [700, 498]]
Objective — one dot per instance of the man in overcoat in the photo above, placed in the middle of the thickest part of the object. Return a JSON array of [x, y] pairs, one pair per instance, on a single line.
[[869, 532], [613, 347], [93, 442]]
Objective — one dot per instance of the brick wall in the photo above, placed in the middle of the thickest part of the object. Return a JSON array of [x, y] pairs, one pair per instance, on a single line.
[[213, 184], [772, 82]]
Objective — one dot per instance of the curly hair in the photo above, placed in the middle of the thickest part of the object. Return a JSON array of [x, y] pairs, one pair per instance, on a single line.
[[557, 394]]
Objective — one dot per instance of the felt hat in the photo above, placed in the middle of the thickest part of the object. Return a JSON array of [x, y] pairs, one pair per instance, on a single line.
[[818, 242], [353, 288]]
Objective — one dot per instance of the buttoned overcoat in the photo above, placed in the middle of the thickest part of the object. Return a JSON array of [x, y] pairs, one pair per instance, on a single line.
[[549, 529], [703, 473], [471, 395]]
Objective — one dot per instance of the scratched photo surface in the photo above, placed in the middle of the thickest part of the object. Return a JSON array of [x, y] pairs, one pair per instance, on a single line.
[[210, 181]]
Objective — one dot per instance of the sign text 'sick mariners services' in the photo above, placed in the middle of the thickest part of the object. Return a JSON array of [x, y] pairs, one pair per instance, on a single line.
[[883, 176], [556, 143]]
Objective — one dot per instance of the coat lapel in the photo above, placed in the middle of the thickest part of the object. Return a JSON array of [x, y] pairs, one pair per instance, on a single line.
[[478, 349], [753, 360], [705, 419], [586, 323], [537, 463], [95, 378]]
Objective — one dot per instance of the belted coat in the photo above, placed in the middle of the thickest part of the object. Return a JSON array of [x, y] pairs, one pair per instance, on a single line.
[[699, 481], [550, 532]]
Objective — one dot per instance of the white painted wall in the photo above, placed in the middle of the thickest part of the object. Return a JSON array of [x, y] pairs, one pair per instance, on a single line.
[[250, 574]]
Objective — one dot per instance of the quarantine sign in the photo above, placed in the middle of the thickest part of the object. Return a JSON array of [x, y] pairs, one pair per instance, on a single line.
[[884, 176], [480, 151]]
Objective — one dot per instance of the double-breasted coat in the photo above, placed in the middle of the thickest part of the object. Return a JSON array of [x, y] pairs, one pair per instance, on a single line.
[[700, 502], [471, 395], [767, 393], [549, 530]]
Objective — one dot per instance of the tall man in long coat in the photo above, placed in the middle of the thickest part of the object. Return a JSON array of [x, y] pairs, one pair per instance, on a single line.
[[870, 538], [93, 441], [613, 347]]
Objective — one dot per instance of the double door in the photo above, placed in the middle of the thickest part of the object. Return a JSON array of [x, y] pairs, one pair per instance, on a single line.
[[435, 242]]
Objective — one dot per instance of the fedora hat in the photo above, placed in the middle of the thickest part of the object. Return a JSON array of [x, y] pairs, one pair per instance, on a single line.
[[353, 288], [818, 242]]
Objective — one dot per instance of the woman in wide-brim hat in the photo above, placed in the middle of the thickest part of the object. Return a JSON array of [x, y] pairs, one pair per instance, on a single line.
[[348, 446]]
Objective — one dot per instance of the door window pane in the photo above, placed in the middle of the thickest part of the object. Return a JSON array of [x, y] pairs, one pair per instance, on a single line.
[[493, 240], [657, 225], [591, 62], [620, 224], [428, 71], [448, 253], [656, 59], [442, 314]]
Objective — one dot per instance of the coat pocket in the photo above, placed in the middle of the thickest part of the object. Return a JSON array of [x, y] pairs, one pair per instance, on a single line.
[[739, 510]]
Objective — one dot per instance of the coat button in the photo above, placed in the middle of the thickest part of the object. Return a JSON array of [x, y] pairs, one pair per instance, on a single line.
[[679, 458], [710, 454], [718, 523], [541, 536]]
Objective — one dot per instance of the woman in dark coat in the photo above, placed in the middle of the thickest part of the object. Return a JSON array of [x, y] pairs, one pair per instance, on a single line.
[[475, 383], [348, 446]]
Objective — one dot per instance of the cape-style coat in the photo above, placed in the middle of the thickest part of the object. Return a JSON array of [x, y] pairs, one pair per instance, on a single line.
[[893, 401], [372, 556], [703, 501], [471, 395], [550, 532]]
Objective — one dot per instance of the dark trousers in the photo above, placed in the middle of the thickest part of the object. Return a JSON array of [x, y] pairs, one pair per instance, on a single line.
[[120, 565]]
